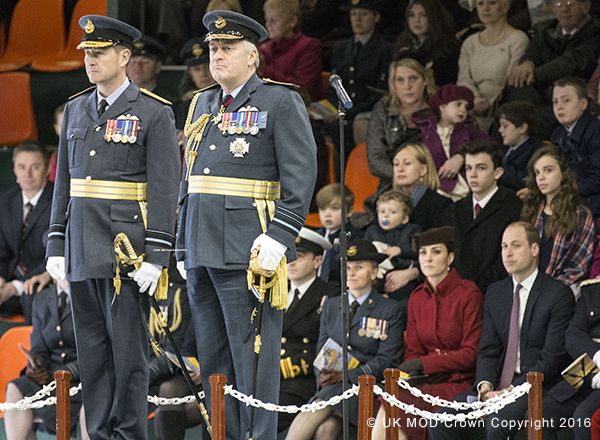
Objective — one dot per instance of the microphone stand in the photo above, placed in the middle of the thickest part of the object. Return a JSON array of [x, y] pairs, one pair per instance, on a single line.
[[343, 287]]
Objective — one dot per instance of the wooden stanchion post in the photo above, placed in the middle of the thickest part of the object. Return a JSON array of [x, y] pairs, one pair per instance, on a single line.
[[365, 406], [391, 412], [217, 405], [534, 409], [63, 404]]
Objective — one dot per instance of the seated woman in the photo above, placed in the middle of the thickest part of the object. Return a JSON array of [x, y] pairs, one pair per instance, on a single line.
[[445, 318], [487, 56], [415, 173], [430, 32], [390, 125], [375, 340], [565, 224]]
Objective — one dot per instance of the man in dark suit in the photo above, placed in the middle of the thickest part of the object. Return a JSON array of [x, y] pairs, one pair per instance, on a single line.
[[306, 298], [564, 402], [524, 323], [479, 220], [117, 172], [24, 221]]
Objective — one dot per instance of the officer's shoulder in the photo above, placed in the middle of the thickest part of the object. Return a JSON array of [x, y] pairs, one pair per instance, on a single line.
[[204, 89], [155, 96], [81, 93], [279, 83]]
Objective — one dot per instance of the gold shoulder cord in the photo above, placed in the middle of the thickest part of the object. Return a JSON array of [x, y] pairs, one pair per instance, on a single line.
[[193, 132]]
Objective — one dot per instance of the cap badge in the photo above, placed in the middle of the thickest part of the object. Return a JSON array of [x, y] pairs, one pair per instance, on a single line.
[[139, 45], [89, 27], [197, 50], [352, 251], [220, 22]]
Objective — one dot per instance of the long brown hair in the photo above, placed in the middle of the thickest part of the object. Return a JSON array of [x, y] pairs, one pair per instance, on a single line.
[[564, 204]]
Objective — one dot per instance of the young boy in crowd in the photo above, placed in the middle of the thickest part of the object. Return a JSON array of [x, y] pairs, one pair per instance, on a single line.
[[517, 125], [330, 213], [445, 128]]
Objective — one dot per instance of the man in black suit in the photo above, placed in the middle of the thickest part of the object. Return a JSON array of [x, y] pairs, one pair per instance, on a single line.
[[306, 297], [24, 219], [479, 220], [518, 336]]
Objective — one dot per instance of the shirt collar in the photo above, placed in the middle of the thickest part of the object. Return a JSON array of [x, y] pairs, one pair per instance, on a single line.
[[114, 95], [363, 39], [360, 299], [485, 200], [527, 283], [302, 288], [571, 127], [236, 91], [35, 199]]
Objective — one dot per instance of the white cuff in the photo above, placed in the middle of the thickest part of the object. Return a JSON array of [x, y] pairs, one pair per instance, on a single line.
[[19, 285]]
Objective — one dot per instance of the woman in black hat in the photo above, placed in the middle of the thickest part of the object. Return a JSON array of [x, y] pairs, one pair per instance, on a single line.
[[375, 342], [445, 318]]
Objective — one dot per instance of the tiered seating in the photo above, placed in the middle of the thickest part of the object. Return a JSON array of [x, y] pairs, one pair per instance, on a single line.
[[13, 360], [359, 178], [17, 120]]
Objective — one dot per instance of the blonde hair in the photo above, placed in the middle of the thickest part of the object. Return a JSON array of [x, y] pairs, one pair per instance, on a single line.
[[291, 8], [423, 156], [229, 5], [390, 100]]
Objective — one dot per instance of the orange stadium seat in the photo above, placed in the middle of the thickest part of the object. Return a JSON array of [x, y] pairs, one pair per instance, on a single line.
[[36, 29], [70, 58], [17, 120], [12, 358], [358, 177]]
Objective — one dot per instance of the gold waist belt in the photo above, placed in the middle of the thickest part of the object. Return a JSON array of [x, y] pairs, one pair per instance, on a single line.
[[108, 189], [232, 186]]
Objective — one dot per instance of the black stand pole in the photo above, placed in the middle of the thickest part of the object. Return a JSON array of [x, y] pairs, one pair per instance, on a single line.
[[343, 287]]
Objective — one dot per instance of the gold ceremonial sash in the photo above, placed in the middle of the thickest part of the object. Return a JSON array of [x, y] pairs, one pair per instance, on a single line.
[[232, 186], [108, 189]]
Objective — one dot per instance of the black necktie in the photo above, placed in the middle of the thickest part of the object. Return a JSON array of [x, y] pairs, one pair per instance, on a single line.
[[295, 301], [62, 303], [353, 308], [27, 218], [21, 269], [102, 107]]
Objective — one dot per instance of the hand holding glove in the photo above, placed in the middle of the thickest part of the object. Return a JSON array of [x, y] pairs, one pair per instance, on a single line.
[[271, 251], [146, 277], [55, 266], [596, 381], [411, 366]]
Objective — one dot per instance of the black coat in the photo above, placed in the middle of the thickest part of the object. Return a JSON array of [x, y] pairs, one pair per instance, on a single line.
[[515, 165], [477, 241]]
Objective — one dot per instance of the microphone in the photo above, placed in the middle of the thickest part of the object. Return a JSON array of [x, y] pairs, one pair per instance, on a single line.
[[336, 82]]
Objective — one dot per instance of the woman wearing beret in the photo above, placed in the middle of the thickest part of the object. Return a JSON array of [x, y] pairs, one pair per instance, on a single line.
[[445, 318], [375, 340]]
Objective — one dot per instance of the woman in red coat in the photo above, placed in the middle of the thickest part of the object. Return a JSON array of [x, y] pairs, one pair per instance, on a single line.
[[445, 318]]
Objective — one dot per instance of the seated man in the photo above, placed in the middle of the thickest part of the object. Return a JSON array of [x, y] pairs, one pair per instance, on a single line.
[[53, 349], [524, 321], [566, 46], [24, 220], [306, 298]]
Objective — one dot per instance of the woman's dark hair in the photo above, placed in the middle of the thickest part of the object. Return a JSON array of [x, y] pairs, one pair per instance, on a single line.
[[440, 29], [563, 205]]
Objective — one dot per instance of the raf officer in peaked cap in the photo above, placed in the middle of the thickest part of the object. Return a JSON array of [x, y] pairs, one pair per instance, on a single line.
[[117, 172], [250, 168]]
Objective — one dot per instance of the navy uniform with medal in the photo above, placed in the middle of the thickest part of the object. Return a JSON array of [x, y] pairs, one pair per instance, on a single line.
[[301, 323], [117, 171], [247, 159]]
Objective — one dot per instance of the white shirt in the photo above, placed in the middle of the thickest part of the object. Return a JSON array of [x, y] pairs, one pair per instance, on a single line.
[[235, 91], [302, 288], [483, 201], [113, 96], [361, 299], [526, 284]]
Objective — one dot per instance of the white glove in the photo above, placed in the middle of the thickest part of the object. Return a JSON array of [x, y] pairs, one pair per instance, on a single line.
[[55, 266], [271, 251], [181, 269], [596, 381], [147, 277]]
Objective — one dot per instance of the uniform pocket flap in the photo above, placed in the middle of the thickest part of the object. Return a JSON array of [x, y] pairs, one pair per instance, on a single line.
[[233, 202], [125, 213], [76, 133]]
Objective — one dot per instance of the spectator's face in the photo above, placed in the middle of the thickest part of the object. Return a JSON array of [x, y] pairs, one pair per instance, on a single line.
[[363, 21], [409, 86], [518, 256], [360, 275], [567, 106], [491, 11], [408, 171], [418, 22], [304, 267], [200, 75], [331, 215], [104, 65], [231, 63], [548, 176], [454, 112], [570, 13], [511, 134], [31, 171], [481, 175], [143, 70], [279, 23], [435, 260], [391, 214]]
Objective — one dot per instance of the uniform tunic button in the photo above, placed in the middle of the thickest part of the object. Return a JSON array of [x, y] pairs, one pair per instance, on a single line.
[[304, 351], [72, 136], [61, 343], [351, 81], [213, 147], [88, 177], [92, 153], [206, 170], [98, 128], [135, 216], [305, 340], [283, 340], [351, 69], [349, 348], [63, 355], [282, 351], [58, 328], [353, 95]]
